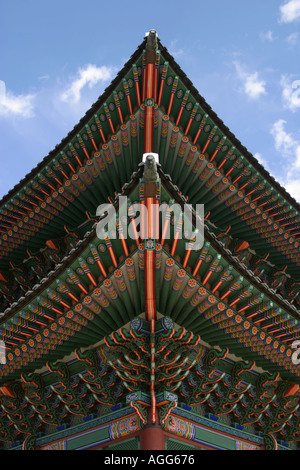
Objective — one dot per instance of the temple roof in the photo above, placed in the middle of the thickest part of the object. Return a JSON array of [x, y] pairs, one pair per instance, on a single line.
[[108, 91], [65, 292], [77, 283], [200, 162], [70, 338], [189, 114]]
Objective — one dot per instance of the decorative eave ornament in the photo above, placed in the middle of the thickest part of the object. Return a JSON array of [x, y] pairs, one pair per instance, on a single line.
[[150, 169]]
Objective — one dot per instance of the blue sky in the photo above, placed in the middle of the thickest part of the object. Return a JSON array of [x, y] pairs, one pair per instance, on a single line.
[[57, 57]]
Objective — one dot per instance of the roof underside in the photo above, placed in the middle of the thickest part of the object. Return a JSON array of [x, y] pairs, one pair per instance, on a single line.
[[99, 287], [249, 216], [69, 300], [185, 121], [62, 288]]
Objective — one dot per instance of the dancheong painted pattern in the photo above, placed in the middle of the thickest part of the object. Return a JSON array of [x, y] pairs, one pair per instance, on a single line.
[[149, 341]]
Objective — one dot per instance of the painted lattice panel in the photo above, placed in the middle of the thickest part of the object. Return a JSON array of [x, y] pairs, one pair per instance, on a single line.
[[128, 444], [173, 444]]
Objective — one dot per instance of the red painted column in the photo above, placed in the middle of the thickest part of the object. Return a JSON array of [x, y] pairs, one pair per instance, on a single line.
[[152, 436]]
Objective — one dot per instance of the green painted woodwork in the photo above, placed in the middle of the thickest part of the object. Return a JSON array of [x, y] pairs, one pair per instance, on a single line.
[[128, 444], [63, 291], [262, 395], [88, 438], [214, 439], [82, 142], [125, 305], [173, 444]]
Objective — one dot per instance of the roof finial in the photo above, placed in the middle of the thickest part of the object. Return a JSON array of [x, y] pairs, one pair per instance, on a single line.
[[150, 169], [151, 40]]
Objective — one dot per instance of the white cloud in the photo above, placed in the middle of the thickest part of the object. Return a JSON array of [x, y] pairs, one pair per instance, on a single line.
[[284, 142], [15, 105], [290, 11], [290, 93], [44, 77], [262, 160], [289, 148], [268, 36], [252, 85], [292, 39], [89, 75], [174, 50], [293, 187]]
